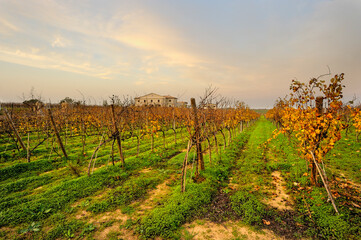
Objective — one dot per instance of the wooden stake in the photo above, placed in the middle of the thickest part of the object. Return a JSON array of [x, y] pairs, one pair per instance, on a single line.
[[323, 178], [14, 129], [57, 133], [95, 151], [200, 161], [184, 168], [224, 139], [210, 151], [117, 136], [28, 148], [319, 107]]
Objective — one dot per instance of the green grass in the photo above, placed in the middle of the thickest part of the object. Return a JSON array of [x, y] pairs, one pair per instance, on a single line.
[[345, 157], [165, 220], [252, 171], [129, 191], [41, 199], [42, 191]]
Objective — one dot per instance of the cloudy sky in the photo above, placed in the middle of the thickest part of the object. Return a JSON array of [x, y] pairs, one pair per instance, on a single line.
[[249, 50]]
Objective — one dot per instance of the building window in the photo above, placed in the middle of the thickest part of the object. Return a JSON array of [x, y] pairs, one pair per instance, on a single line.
[[145, 100], [170, 100], [158, 100], [138, 100], [151, 100]]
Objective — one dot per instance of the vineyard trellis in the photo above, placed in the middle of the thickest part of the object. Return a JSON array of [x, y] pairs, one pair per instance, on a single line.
[[118, 122]]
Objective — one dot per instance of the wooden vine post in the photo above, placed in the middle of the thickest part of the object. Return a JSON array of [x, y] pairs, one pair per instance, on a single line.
[[184, 168], [319, 109], [116, 133], [315, 165], [57, 133], [325, 183], [200, 161], [14, 129]]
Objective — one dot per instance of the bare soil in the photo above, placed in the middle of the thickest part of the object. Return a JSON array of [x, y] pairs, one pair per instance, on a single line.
[[115, 229], [227, 230], [279, 199], [219, 214], [155, 197]]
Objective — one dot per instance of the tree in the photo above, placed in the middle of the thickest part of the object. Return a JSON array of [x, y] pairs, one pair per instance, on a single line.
[[67, 100]]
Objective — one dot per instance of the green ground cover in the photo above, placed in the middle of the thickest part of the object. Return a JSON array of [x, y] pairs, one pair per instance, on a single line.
[[42, 199]]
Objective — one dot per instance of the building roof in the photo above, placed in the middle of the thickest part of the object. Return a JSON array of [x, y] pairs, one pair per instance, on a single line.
[[168, 96], [156, 95]]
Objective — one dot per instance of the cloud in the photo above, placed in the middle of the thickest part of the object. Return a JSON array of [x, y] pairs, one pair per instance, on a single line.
[[142, 30], [246, 49], [49, 60], [138, 29], [7, 28], [61, 42]]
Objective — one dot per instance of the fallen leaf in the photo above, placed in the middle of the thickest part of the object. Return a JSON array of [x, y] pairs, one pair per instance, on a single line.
[[266, 222]]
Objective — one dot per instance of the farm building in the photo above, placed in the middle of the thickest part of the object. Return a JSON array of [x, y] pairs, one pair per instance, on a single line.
[[156, 100]]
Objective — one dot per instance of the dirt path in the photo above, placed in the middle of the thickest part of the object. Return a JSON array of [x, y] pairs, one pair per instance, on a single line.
[[118, 219], [141, 207], [279, 199], [156, 195], [202, 230]]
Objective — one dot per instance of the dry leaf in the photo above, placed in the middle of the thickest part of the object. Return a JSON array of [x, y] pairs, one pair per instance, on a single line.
[[266, 222]]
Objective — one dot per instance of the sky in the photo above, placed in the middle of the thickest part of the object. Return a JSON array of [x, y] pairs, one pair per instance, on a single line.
[[249, 50]]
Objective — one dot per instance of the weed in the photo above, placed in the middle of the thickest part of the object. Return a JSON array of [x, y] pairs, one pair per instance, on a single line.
[[69, 234], [248, 207], [87, 229], [188, 236], [33, 227]]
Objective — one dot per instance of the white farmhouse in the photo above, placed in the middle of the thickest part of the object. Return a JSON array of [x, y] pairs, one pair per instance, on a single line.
[[156, 100]]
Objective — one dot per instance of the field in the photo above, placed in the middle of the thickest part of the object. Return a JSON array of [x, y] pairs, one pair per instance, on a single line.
[[247, 190]]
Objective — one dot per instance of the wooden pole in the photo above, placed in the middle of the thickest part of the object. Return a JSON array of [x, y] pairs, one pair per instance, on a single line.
[[324, 180], [319, 109], [224, 139], [174, 129], [14, 129], [184, 168], [96, 150], [28, 148], [57, 133], [117, 136], [319, 105], [210, 151], [200, 162]]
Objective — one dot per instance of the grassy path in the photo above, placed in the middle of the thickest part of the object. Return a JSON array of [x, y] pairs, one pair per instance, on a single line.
[[252, 170], [240, 210]]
